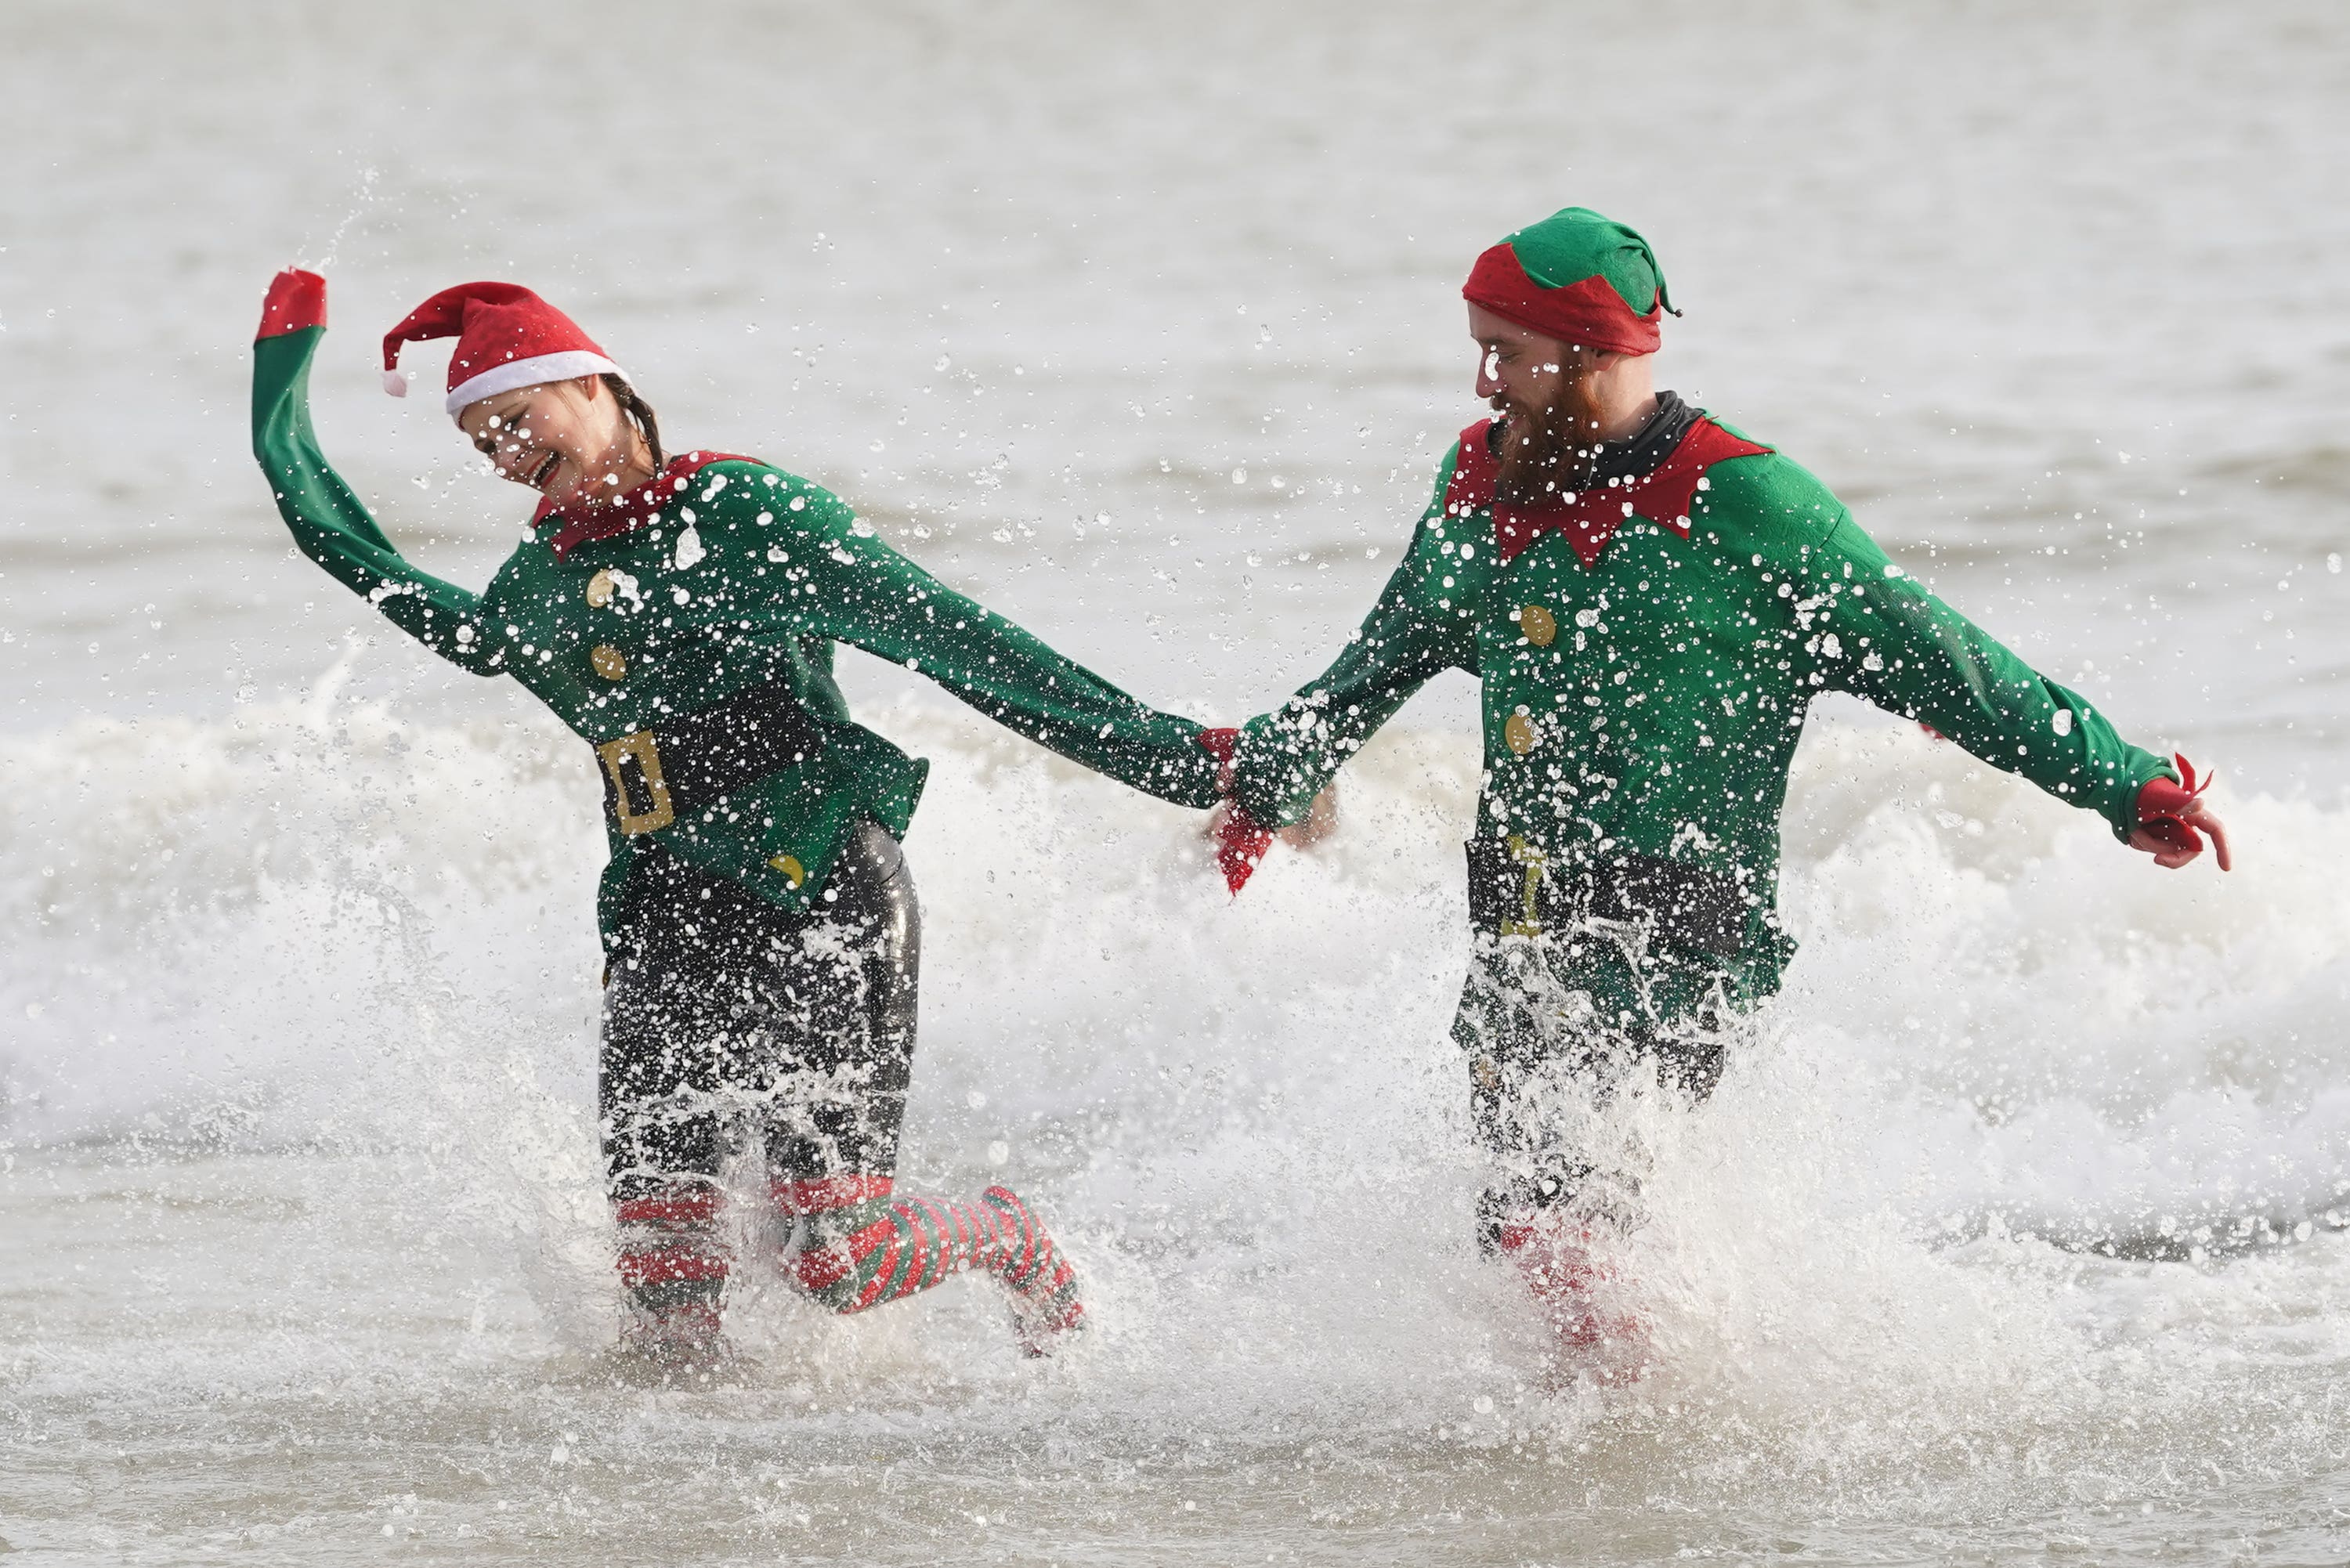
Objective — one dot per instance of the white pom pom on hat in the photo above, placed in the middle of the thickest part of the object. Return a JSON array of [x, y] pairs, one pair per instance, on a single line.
[[396, 384]]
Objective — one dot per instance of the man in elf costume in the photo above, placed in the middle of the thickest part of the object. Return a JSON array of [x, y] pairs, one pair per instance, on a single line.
[[1650, 600]]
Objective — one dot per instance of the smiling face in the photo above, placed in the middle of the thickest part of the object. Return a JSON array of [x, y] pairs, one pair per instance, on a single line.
[[1519, 370], [569, 440], [1556, 403], [1532, 382]]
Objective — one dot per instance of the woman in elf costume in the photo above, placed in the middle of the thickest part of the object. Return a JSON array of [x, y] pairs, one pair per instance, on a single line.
[[679, 614], [1650, 601]]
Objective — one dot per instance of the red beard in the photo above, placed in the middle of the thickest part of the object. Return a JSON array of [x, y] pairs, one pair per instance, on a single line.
[[1539, 463]]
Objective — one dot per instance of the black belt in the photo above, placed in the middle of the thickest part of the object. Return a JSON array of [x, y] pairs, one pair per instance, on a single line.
[[693, 760], [1521, 891]]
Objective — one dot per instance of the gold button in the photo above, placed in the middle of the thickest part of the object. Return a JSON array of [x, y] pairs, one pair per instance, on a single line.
[[1518, 733], [1539, 625], [791, 870], [609, 662], [600, 588]]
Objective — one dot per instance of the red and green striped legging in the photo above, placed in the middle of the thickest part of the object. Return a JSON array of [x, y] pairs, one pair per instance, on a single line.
[[726, 1013]]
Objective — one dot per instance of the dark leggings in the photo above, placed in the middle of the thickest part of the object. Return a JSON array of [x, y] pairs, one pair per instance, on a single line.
[[1552, 1029], [727, 1015]]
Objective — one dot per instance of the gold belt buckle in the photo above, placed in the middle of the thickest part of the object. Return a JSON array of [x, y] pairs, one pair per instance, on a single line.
[[1537, 865], [639, 744]]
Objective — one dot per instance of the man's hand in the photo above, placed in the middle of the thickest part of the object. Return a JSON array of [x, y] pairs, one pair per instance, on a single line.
[[1240, 840], [1320, 821], [2172, 820]]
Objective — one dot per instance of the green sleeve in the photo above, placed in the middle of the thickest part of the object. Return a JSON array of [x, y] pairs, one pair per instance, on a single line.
[[334, 529], [1881, 636], [842, 581], [1418, 628]]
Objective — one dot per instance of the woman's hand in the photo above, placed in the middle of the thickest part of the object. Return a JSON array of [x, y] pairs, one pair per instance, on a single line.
[[297, 300]]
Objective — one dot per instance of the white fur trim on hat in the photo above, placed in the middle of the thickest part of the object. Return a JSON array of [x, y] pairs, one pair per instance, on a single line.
[[531, 372]]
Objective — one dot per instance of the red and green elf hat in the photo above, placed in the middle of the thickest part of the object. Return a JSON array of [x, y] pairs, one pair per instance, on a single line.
[[1578, 277]]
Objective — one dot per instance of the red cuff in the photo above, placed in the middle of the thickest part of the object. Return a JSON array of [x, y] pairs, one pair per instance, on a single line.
[[2163, 800], [2163, 806], [1220, 744], [297, 300], [1240, 842]]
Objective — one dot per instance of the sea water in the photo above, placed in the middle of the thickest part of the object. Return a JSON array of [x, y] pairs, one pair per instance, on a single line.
[[2020, 1227]]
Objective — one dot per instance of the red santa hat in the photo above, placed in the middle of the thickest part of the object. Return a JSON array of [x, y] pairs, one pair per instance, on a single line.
[[507, 338]]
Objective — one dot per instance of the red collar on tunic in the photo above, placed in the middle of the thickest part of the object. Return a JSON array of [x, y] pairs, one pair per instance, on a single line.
[[633, 509], [1590, 519]]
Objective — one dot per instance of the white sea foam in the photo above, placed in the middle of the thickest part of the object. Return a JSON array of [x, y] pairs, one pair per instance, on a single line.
[[258, 939]]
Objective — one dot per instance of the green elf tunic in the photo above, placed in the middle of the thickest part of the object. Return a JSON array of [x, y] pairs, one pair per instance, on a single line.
[[719, 587], [1648, 651]]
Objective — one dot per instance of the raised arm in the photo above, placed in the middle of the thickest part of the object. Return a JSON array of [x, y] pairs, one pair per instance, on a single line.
[[329, 521]]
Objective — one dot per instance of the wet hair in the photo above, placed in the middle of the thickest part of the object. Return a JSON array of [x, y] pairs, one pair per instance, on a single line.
[[639, 412]]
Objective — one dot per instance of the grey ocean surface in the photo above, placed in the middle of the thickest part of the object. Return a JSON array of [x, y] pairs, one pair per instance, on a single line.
[[2018, 1233]]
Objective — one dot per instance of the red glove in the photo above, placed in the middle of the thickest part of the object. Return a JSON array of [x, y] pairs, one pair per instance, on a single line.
[[2171, 813], [1240, 842], [297, 300]]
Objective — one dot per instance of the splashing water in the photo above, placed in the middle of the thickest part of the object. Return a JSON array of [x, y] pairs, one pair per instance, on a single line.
[[2014, 1231], [1974, 1230]]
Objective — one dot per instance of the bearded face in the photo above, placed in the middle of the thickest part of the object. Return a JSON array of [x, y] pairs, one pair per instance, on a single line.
[[1547, 450]]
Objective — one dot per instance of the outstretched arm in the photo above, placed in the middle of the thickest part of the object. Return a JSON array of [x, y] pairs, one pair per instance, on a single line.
[[327, 520], [1283, 760], [843, 582], [1882, 636]]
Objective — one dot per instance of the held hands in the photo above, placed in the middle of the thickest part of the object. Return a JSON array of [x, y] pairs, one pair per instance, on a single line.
[[2172, 819], [1240, 840]]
